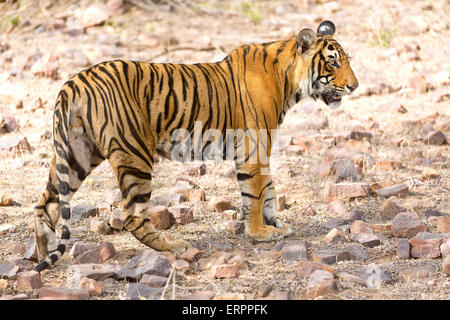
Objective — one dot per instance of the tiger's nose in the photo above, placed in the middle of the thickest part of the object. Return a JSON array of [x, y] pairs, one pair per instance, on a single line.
[[352, 87]]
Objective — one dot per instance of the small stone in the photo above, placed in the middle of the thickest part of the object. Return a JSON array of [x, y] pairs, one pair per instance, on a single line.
[[360, 135], [29, 280], [344, 170], [294, 251], [336, 208], [355, 215], [381, 227], [335, 223], [417, 272], [320, 283], [5, 201], [312, 124], [391, 208], [181, 265], [115, 220], [279, 295], [7, 228], [374, 276], [153, 281], [334, 236], [201, 295], [176, 199], [331, 256], [359, 226], [160, 217], [403, 249], [399, 190], [307, 211], [97, 272], [197, 170], [81, 211], [435, 138], [407, 225], [446, 266], [306, 267], [181, 214], [264, 290], [429, 173], [237, 226], [97, 225], [366, 239], [443, 224], [139, 291], [149, 262], [388, 165], [8, 270], [281, 203], [80, 247], [357, 252], [93, 287], [195, 195], [346, 190], [323, 169], [445, 246], [95, 14], [3, 284], [7, 124], [426, 245], [191, 254], [31, 252], [15, 146], [348, 277], [431, 213], [229, 214], [63, 294], [219, 204], [225, 271], [99, 254]]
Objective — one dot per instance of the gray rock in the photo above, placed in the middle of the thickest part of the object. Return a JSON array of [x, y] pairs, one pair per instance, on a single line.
[[335, 222], [153, 281], [294, 251], [30, 251], [150, 262], [82, 211], [357, 252], [375, 274], [139, 291], [8, 270]]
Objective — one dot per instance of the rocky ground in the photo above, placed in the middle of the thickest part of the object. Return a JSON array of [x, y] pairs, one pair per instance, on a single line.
[[364, 187]]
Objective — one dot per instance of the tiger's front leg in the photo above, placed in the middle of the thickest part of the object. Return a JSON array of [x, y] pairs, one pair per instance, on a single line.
[[255, 185], [269, 209]]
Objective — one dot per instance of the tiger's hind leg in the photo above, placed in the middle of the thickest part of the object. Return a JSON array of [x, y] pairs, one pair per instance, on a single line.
[[134, 176]]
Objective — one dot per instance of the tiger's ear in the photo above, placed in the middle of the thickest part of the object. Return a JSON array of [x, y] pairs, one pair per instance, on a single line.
[[306, 40], [326, 28]]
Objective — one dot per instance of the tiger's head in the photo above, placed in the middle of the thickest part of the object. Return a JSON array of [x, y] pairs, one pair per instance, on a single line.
[[330, 76]]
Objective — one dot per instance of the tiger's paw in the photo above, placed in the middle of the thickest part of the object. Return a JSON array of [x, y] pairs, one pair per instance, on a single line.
[[268, 233], [177, 246]]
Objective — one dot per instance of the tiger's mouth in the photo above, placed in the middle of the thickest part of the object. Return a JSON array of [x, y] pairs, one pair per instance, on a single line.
[[331, 98]]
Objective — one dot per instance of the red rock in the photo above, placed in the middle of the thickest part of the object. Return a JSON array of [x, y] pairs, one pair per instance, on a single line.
[[115, 221], [429, 173], [80, 247], [7, 124], [388, 165], [403, 249], [435, 138], [346, 190], [306, 267], [15, 145], [334, 236], [229, 214], [281, 203], [359, 146], [418, 83], [391, 208], [197, 170], [225, 271], [93, 287], [29, 280], [400, 190], [3, 284], [181, 265], [320, 283], [237, 226], [97, 225], [426, 245], [191, 254], [417, 272], [219, 204], [407, 225], [294, 251], [359, 158], [153, 281], [46, 66], [195, 195], [336, 208], [63, 294], [359, 226], [112, 197], [381, 227], [366, 239], [181, 214], [201, 295], [443, 224], [331, 256], [99, 254], [160, 217], [344, 170], [445, 246], [97, 272], [5, 201], [307, 211], [446, 266], [323, 169]]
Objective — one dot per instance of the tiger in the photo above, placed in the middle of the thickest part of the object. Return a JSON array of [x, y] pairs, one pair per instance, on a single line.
[[126, 112]]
